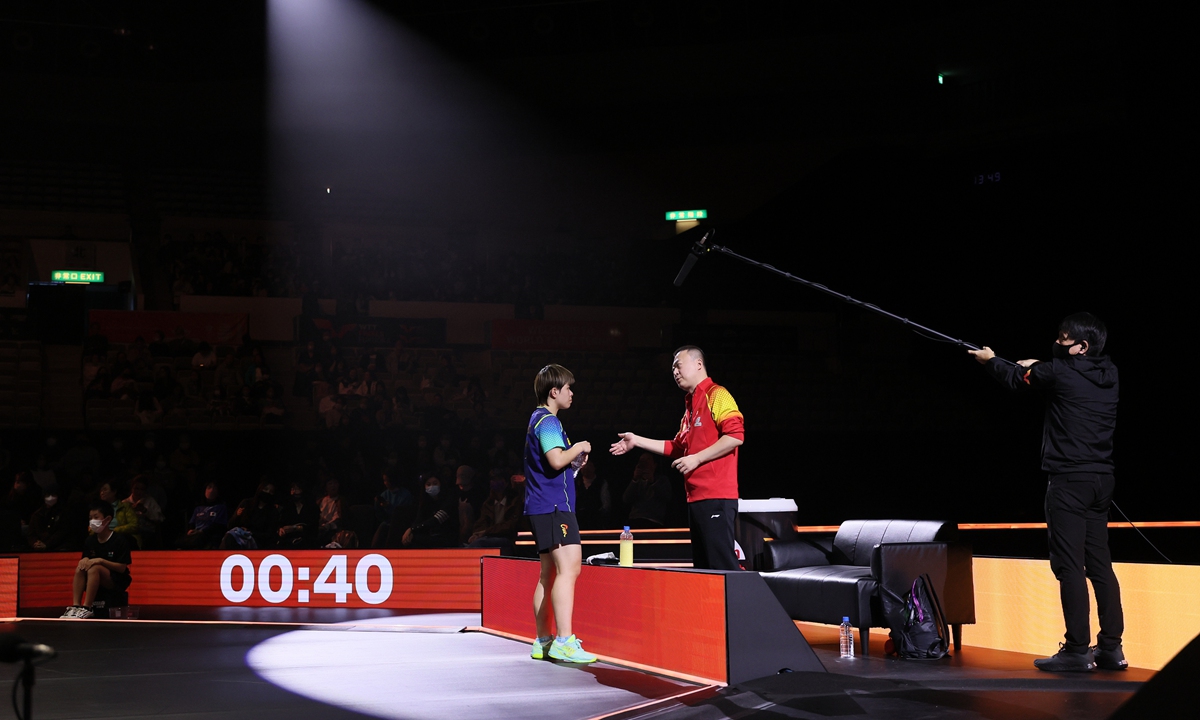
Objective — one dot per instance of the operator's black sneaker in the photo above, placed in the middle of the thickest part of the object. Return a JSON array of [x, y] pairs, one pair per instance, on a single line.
[[1110, 659], [1066, 661]]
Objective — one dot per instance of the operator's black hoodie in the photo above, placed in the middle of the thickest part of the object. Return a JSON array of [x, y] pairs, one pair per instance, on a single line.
[[1081, 409]]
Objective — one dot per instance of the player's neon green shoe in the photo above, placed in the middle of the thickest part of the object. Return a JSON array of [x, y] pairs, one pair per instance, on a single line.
[[540, 648], [570, 651]]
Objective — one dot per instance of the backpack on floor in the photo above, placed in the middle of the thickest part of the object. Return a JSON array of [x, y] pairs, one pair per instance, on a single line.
[[918, 625]]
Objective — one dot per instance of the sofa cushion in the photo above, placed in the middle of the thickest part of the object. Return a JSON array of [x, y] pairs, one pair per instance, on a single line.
[[783, 555], [825, 593], [855, 539]]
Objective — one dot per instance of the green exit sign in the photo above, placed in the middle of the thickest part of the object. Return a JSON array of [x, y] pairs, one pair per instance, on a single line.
[[77, 276], [687, 214]]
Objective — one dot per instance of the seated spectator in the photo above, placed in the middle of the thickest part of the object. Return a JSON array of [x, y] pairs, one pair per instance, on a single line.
[[105, 563], [43, 473], [92, 364], [307, 362], [331, 511], [254, 368], [255, 522], [25, 497], [227, 376], [245, 404], [159, 347], [394, 509], [219, 405], [124, 386], [648, 495], [298, 519], [370, 386], [593, 501], [332, 409], [344, 540], [436, 521], [125, 520], [149, 513], [205, 357], [372, 361], [181, 344], [148, 410], [208, 522], [351, 384], [497, 523], [138, 355], [272, 409], [399, 361], [49, 529], [470, 501]]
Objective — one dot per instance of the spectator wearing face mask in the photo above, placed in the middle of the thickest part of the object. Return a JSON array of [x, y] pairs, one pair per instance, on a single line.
[[105, 563], [436, 523], [49, 530], [298, 518]]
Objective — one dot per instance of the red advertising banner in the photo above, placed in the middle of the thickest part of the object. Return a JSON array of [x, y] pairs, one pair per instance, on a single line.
[[658, 618], [124, 326], [394, 579], [8, 587], [558, 335]]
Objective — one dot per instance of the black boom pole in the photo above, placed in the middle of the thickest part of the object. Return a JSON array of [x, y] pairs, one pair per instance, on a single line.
[[703, 246]]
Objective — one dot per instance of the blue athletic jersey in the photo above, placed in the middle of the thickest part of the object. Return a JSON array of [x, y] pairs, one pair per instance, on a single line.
[[546, 489]]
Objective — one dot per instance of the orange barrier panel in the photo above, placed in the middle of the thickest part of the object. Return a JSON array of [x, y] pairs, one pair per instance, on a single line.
[[1017, 608], [8, 587], [394, 579], [650, 617]]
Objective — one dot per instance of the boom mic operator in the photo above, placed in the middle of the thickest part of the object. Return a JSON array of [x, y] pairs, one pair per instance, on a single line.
[[699, 249]]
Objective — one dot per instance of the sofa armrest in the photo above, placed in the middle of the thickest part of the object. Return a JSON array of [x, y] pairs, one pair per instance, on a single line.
[[791, 554], [897, 565]]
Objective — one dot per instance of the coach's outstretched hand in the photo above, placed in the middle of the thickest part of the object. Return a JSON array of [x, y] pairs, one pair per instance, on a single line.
[[627, 442]]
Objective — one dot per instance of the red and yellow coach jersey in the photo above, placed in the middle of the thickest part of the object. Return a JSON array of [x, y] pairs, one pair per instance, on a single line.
[[709, 413]]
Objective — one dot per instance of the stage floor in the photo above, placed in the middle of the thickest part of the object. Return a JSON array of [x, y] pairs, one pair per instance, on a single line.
[[355, 665]]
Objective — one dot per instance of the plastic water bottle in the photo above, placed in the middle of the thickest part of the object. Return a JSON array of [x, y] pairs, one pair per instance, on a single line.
[[847, 638], [626, 547]]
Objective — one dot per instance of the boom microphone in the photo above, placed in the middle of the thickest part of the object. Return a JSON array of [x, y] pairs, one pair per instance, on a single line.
[[698, 249]]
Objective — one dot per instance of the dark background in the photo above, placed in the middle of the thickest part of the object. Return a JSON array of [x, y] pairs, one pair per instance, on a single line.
[[1042, 178]]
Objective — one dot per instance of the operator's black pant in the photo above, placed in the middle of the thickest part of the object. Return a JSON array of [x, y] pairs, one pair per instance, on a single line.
[[711, 524], [1077, 522]]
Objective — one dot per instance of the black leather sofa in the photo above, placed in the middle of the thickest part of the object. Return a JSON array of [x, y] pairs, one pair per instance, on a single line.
[[822, 581]]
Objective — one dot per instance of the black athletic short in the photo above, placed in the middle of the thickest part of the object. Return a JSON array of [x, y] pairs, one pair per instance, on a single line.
[[553, 529]]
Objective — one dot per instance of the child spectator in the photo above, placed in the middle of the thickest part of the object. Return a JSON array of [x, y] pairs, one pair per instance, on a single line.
[[105, 563], [299, 519]]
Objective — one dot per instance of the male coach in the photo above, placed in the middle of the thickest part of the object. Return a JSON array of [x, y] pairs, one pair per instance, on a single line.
[[705, 451]]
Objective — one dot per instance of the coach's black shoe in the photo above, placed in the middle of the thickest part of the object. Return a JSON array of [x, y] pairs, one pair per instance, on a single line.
[[1066, 661], [1110, 659]]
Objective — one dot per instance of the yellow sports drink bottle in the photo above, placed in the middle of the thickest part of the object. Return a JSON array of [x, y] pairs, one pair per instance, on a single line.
[[626, 547]]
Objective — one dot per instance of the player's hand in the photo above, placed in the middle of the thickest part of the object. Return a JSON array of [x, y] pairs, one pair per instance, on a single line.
[[1026, 363], [585, 445], [983, 354], [84, 564], [686, 464], [627, 442]]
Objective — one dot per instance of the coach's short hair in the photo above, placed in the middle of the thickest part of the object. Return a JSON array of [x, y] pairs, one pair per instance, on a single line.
[[550, 377], [691, 350]]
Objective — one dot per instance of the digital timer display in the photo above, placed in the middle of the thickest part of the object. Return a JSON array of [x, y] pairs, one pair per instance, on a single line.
[[985, 178], [276, 588]]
